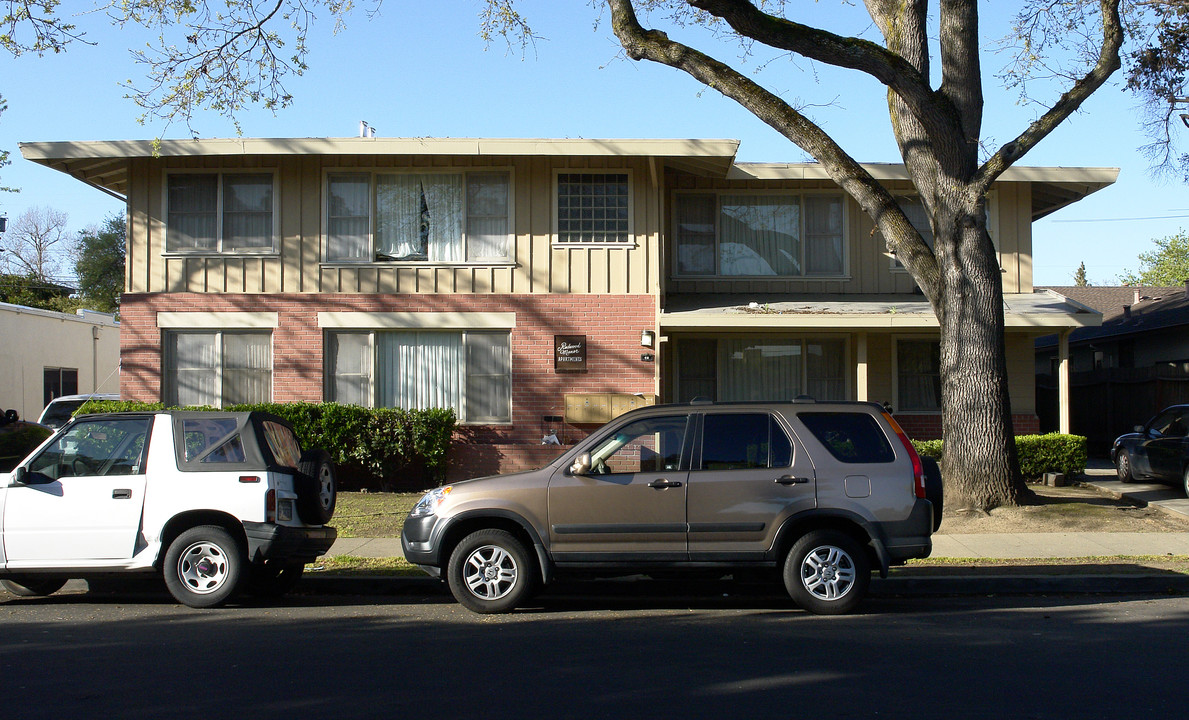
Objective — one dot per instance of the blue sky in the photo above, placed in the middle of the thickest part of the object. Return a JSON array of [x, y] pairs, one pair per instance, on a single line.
[[420, 69]]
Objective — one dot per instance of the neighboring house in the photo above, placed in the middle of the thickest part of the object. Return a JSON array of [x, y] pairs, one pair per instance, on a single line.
[[1125, 370], [534, 285], [46, 354]]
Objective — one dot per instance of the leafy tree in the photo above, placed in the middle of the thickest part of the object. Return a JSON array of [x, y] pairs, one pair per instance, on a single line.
[[100, 264], [31, 291], [223, 56], [1079, 276], [37, 243], [1167, 265]]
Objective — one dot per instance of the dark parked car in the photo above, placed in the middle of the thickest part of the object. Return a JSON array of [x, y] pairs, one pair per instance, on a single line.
[[1157, 451], [18, 438]]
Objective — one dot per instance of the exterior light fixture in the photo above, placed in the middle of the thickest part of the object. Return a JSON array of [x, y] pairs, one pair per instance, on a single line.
[[647, 338]]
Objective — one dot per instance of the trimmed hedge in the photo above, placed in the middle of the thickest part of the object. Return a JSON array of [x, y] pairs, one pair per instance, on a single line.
[[379, 449], [1039, 454]]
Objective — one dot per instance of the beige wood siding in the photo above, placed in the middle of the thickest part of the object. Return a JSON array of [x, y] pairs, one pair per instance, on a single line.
[[536, 264]]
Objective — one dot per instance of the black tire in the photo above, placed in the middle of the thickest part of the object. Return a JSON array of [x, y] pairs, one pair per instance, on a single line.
[[934, 489], [274, 579], [491, 571], [316, 487], [32, 586], [1123, 467], [1185, 481], [203, 566], [827, 572]]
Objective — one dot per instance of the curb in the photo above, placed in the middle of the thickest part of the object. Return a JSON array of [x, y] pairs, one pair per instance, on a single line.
[[940, 586]]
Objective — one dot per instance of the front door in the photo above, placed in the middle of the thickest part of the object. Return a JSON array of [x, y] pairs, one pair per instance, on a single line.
[[630, 505], [82, 497]]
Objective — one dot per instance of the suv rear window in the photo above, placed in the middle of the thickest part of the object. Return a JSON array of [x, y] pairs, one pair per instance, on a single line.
[[283, 443], [220, 433], [850, 437], [738, 441]]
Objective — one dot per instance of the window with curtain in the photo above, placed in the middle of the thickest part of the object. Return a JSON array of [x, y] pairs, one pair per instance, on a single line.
[[915, 211], [218, 368], [759, 234], [219, 212], [753, 369], [418, 217], [918, 375], [593, 208], [470, 372]]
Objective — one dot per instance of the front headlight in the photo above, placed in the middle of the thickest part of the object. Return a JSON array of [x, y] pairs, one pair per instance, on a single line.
[[428, 504]]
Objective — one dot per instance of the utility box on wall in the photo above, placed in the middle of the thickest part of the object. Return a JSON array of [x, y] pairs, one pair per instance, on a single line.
[[597, 408]]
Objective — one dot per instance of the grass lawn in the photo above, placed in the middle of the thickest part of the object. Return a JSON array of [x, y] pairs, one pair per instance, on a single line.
[[372, 515]]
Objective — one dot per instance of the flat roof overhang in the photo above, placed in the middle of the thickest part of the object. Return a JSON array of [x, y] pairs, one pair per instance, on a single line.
[[1042, 312]]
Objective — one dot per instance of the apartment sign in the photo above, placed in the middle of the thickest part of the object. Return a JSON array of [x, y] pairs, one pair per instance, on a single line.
[[569, 353]]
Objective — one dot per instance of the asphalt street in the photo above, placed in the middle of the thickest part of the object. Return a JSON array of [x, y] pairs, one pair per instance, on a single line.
[[609, 651]]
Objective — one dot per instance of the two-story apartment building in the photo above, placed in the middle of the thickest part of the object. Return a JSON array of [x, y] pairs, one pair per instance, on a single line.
[[533, 285]]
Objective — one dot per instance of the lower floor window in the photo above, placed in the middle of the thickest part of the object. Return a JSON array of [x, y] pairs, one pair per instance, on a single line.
[[59, 382], [218, 368], [470, 372], [750, 369], [918, 375]]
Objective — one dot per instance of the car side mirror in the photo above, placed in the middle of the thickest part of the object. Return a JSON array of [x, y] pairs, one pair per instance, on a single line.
[[22, 476], [1138, 429], [581, 465]]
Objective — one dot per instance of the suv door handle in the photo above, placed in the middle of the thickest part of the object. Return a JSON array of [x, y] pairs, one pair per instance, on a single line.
[[790, 480], [662, 484], [121, 494]]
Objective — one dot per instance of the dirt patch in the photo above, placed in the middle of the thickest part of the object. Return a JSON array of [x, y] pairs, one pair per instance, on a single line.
[[1076, 508]]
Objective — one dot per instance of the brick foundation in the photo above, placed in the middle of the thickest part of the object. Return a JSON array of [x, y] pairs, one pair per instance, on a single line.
[[927, 426]]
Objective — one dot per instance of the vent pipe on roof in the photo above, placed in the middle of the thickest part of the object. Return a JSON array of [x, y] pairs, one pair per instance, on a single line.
[[1136, 302]]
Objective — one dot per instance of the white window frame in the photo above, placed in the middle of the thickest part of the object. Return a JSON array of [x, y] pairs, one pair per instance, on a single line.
[[168, 358], [273, 249], [896, 374], [718, 195], [629, 242], [372, 172]]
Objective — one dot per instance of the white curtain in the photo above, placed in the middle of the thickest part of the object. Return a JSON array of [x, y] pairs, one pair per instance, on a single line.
[[247, 211], [351, 368], [348, 216], [487, 216], [420, 370], [193, 212], [759, 370], [760, 235], [823, 235], [194, 360], [695, 234], [489, 377], [419, 216], [247, 368]]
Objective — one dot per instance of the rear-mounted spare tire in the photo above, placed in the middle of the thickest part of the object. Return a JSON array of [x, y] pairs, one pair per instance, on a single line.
[[316, 487]]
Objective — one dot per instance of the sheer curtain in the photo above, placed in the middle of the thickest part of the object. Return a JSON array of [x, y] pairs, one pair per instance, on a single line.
[[918, 364], [419, 216], [247, 211], [760, 235], [193, 359], [759, 370], [351, 368], [419, 370], [825, 369], [695, 234], [348, 217], [247, 368], [193, 220], [823, 235], [489, 377], [487, 216]]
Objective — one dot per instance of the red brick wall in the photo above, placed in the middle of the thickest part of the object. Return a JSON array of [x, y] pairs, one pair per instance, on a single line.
[[611, 323], [928, 426]]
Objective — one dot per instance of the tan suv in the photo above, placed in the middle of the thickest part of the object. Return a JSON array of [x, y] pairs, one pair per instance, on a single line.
[[824, 492]]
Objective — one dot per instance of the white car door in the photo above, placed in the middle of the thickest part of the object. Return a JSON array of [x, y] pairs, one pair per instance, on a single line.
[[82, 496]]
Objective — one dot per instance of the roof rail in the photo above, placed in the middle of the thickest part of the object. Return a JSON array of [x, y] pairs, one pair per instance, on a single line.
[[804, 399]]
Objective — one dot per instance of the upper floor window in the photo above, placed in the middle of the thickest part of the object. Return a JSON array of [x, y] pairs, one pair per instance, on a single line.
[[757, 234], [915, 211], [219, 212], [593, 208], [419, 217]]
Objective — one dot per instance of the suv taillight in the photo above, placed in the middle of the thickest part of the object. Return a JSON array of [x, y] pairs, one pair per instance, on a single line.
[[918, 469], [270, 505]]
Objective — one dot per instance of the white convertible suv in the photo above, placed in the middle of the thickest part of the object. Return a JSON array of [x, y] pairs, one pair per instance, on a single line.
[[214, 501]]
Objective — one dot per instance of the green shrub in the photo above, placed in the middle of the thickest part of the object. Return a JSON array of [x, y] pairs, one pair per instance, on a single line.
[[1039, 454], [383, 448]]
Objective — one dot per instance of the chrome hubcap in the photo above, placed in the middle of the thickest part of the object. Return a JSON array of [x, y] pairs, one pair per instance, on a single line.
[[828, 573]]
